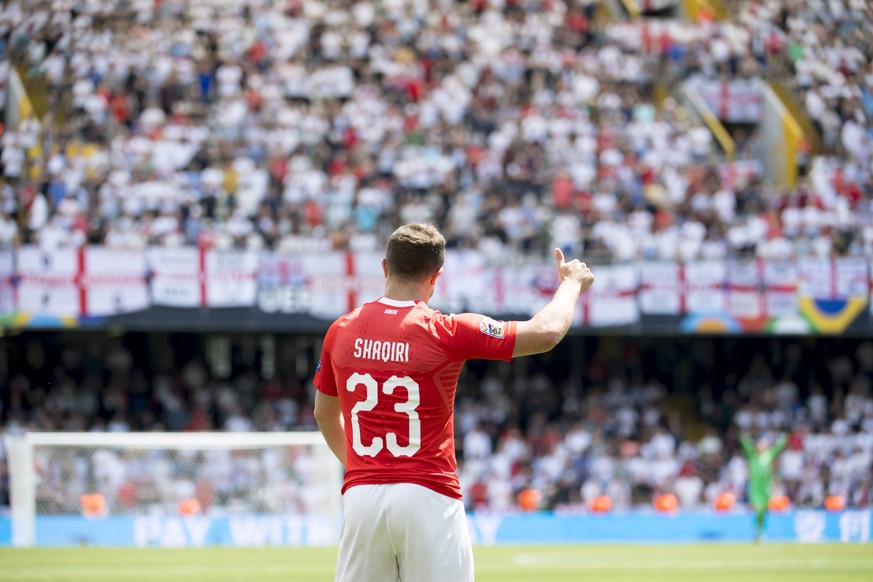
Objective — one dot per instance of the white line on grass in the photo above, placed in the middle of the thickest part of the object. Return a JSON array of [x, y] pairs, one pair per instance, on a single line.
[[575, 561]]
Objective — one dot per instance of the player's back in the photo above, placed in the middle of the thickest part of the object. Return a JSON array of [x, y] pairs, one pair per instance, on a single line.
[[394, 366], [396, 376]]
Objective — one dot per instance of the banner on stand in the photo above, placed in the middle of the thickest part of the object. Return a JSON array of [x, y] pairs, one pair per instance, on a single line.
[[188, 286]]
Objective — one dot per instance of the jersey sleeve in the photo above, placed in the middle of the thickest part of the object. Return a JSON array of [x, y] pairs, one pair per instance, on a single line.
[[471, 336], [324, 380]]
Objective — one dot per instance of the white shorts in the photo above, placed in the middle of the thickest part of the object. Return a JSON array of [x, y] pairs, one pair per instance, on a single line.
[[403, 532]]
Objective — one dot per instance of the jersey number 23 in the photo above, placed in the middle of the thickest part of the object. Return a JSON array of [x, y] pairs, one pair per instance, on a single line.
[[413, 399]]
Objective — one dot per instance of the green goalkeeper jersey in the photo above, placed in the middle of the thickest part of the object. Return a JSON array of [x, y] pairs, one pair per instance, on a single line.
[[761, 469]]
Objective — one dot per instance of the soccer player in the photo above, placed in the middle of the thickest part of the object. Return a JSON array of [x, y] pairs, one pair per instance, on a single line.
[[760, 458], [385, 397]]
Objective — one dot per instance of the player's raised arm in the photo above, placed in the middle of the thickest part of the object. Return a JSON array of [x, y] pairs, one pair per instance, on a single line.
[[549, 326]]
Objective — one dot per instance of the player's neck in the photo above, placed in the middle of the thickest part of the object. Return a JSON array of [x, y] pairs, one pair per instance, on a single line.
[[403, 291]]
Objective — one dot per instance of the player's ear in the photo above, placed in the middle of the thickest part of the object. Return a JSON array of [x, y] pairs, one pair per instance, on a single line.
[[436, 276], [385, 267]]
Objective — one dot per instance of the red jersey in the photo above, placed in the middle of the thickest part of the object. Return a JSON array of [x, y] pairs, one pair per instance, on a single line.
[[394, 366]]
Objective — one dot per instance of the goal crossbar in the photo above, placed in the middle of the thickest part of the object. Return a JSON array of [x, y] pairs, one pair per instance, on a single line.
[[172, 440]]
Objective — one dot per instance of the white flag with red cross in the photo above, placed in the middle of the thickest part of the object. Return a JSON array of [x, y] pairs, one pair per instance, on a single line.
[[81, 282], [340, 281], [612, 300], [670, 288], [200, 277]]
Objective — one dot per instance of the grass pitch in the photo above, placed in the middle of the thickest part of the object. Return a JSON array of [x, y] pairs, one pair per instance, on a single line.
[[591, 563]]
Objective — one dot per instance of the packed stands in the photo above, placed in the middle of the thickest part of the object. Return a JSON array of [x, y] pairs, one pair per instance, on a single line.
[[637, 418], [516, 126]]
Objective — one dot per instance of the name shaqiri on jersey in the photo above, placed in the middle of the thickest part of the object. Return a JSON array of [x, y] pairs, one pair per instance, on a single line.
[[386, 351]]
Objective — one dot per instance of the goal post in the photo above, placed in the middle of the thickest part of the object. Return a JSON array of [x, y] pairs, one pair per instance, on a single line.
[[173, 489]]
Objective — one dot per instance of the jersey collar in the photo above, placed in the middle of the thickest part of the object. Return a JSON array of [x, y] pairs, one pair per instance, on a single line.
[[395, 303]]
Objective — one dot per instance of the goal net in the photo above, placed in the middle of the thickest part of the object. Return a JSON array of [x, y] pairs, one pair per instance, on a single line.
[[173, 489]]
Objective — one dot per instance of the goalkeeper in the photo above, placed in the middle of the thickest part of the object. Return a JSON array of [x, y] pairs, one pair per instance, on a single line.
[[761, 458]]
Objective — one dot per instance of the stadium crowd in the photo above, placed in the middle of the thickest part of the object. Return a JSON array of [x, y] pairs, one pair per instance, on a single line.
[[514, 125], [630, 420]]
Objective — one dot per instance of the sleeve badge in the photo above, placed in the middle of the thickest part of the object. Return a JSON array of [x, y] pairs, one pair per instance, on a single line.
[[493, 328]]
